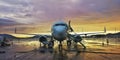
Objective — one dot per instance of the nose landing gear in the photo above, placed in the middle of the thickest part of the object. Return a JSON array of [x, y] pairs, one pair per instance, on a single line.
[[60, 46]]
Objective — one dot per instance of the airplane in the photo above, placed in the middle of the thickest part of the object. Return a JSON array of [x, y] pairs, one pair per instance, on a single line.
[[4, 41], [60, 31]]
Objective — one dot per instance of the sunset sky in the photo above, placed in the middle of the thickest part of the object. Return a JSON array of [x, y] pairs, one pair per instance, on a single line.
[[36, 16]]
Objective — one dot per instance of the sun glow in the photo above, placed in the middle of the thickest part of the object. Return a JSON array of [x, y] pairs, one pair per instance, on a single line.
[[22, 35]]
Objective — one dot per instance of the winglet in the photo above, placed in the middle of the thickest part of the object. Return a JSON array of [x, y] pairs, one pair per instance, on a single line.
[[15, 31]]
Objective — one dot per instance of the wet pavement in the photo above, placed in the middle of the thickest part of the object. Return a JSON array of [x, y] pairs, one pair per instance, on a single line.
[[30, 50]]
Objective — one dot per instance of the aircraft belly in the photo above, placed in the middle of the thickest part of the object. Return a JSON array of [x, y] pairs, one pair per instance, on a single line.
[[60, 37]]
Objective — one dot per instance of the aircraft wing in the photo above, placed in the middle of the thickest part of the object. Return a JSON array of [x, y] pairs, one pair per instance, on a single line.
[[42, 36], [89, 33], [39, 34], [84, 33], [36, 34]]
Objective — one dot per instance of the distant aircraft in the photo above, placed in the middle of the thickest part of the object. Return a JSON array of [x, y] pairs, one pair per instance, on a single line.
[[4, 41], [61, 31]]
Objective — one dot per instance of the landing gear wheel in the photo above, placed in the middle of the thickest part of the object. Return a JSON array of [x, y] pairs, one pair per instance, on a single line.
[[60, 47], [68, 43]]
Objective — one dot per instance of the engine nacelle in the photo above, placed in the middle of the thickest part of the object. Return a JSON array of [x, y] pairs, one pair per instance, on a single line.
[[77, 38], [43, 40]]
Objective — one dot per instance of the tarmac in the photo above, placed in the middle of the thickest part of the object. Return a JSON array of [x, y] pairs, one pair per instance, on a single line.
[[31, 50]]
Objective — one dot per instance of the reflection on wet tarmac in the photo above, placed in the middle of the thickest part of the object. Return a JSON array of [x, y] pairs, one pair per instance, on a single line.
[[31, 50], [61, 54]]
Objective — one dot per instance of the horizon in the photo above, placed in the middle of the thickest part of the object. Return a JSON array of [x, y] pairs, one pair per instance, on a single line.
[[20, 35]]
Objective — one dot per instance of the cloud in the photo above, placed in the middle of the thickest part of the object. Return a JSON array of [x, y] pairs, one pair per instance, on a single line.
[[35, 11], [17, 9], [23, 12], [7, 22], [55, 9]]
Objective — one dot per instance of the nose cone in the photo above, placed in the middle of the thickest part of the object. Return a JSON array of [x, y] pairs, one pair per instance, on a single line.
[[60, 33]]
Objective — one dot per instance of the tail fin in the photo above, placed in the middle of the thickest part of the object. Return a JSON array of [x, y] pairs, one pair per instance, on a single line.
[[69, 24]]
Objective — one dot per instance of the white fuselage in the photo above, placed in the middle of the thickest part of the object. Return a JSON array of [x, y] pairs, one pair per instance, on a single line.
[[60, 31]]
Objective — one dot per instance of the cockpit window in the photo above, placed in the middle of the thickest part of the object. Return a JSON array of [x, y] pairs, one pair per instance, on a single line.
[[60, 24]]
